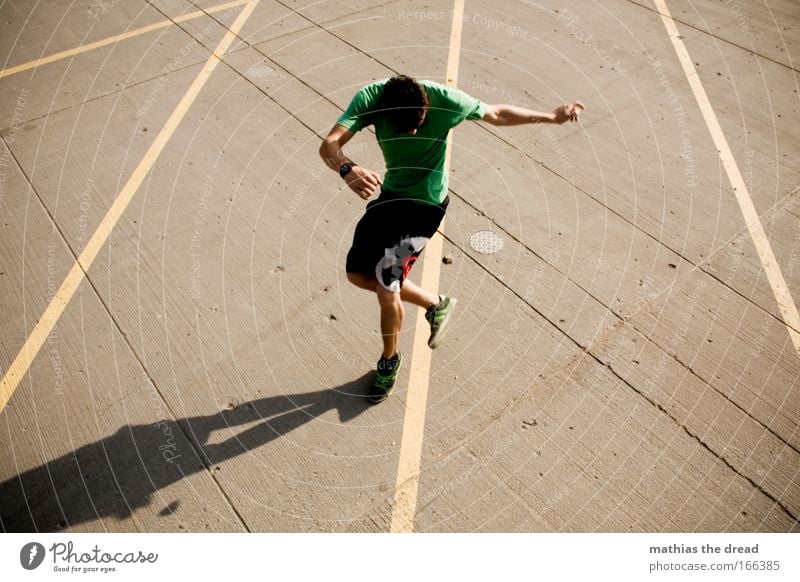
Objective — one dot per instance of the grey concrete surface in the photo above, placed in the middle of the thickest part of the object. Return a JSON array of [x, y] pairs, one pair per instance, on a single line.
[[620, 365]]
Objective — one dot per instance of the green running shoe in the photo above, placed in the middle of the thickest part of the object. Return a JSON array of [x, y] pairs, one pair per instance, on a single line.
[[438, 315], [385, 377]]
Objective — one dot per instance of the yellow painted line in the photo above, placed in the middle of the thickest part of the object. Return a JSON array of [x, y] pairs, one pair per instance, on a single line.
[[774, 274], [405, 497], [114, 39], [19, 367]]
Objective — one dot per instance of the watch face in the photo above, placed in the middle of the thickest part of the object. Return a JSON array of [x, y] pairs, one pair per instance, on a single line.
[[345, 169]]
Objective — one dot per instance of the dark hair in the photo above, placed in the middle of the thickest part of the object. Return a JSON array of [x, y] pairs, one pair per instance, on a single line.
[[404, 102]]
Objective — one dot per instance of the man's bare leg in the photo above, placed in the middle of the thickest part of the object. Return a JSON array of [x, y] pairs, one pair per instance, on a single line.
[[391, 304], [416, 295], [410, 292], [392, 313]]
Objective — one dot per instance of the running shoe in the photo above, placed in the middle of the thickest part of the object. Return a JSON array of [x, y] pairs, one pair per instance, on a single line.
[[385, 377], [438, 316]]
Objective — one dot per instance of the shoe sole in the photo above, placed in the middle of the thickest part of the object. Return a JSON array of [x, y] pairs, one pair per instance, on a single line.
[[433, 343], [379, 399]]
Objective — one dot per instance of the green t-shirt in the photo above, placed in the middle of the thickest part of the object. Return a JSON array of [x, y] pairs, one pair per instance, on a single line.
[[414, 163]]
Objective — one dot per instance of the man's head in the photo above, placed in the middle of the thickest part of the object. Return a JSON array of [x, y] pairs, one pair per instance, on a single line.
[[404, 103]]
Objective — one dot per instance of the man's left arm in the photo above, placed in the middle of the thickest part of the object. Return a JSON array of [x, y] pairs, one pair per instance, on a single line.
[[502, 114]]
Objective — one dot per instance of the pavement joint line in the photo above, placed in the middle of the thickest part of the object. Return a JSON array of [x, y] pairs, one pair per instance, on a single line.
[[30, 349], [622, 321], [406, 488], [323, 29], [413, 480], [410, 457], [199, 453], [165, 73], [254, 47], [786, 305], [123, 335], [409, 482], [694, 265], [719, 38], [116, 38], [603, 335], [699, 440], [344, 19], [102, 95]]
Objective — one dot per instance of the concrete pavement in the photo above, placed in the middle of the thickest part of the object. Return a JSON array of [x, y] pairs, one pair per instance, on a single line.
[[620, 365]]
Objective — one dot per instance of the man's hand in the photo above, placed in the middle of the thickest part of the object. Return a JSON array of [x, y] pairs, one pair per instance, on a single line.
[[568, 112], [363, 181]]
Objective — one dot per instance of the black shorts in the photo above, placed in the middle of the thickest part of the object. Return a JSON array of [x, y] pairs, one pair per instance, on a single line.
[[391, 235]]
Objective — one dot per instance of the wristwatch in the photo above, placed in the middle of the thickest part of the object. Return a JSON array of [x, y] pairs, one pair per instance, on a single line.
[[345, 169]]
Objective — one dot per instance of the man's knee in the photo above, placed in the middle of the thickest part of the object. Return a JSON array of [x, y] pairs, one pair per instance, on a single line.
[[388, 298]]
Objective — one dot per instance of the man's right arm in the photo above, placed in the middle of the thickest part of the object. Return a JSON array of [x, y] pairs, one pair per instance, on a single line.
[[362, 181], [502, 114]]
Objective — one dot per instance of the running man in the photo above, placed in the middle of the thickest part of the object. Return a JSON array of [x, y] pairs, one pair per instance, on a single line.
[[412, 120]]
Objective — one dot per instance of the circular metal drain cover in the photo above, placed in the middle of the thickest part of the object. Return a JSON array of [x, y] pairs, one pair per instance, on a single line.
[[486, 242]]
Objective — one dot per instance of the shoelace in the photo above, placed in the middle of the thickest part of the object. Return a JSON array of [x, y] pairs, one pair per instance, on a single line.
[[382, 382]]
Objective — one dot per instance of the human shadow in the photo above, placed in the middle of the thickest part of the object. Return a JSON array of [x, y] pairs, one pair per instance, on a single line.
[[120, 473]]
